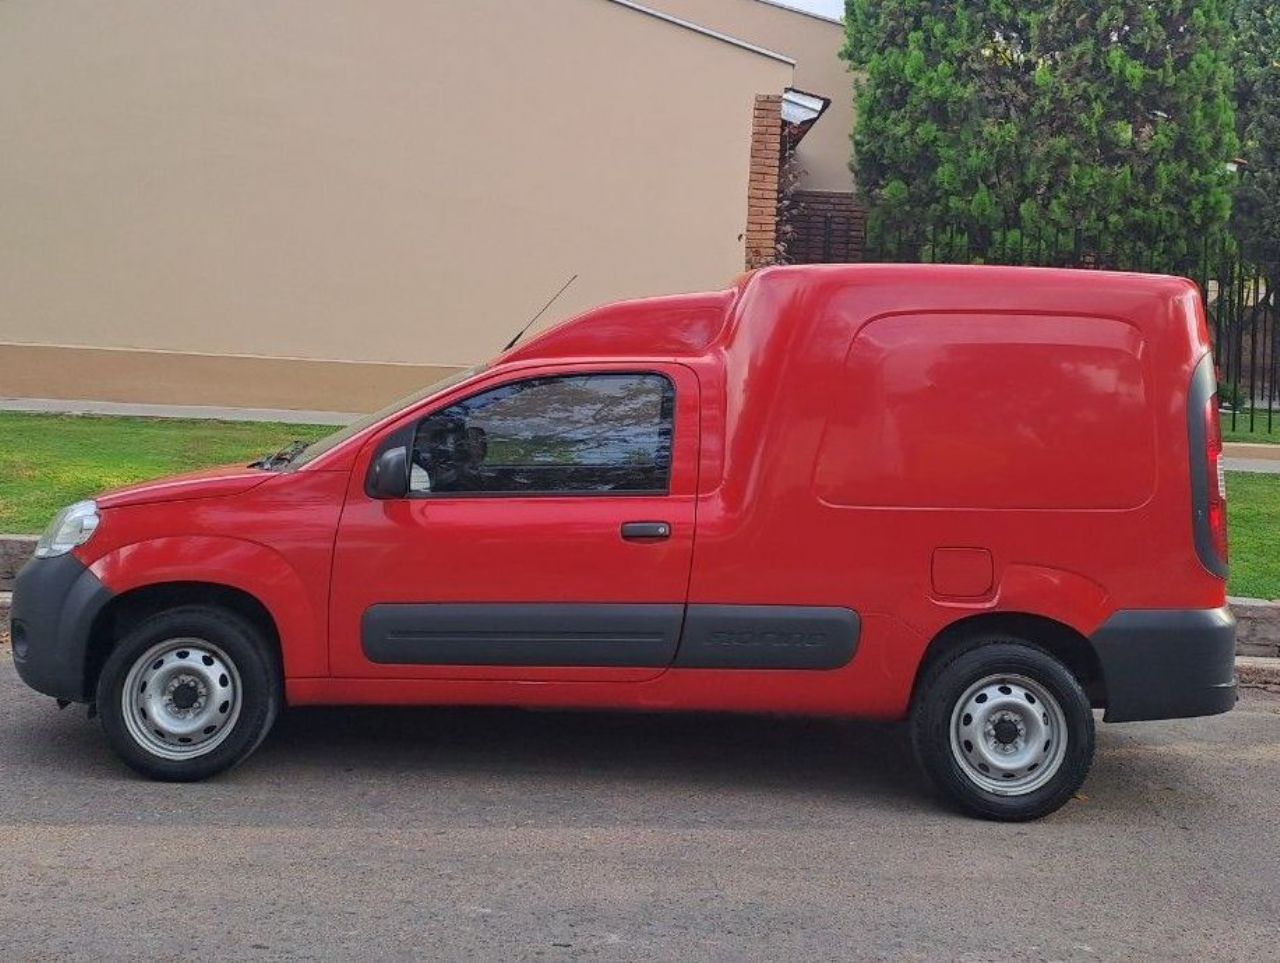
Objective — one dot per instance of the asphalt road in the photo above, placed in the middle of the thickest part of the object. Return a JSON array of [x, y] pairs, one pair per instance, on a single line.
[[364, 834]]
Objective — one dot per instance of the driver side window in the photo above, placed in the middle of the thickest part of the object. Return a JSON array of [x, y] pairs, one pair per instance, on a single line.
[[607, 433]]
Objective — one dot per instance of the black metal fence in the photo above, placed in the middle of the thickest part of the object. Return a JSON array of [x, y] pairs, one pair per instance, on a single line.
[[1240, 292], [1242, 305]]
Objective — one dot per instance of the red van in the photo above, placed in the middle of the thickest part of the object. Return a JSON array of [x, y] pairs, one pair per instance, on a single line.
[[983, 499]]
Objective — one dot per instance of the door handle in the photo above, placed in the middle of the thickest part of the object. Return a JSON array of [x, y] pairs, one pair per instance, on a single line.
[[646, 531]]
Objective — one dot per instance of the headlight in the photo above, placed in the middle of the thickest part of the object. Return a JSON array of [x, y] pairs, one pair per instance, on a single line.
[[71, 527]]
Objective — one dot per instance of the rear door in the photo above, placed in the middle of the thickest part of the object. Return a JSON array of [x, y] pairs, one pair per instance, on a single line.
[[548, 532]]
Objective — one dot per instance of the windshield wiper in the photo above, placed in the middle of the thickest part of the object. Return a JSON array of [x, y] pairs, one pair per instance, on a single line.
[[281, 458]]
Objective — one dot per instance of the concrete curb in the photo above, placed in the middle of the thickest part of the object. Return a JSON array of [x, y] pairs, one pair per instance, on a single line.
[[14, 552], [1255, 670], [1257, 627]]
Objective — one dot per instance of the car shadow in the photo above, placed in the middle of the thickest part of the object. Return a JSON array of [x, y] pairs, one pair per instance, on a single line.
[[507, 752], [696, 749], [597, 751], [502, 753]]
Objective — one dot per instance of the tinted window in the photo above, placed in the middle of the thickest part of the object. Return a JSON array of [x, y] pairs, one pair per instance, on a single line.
[[580, 433]]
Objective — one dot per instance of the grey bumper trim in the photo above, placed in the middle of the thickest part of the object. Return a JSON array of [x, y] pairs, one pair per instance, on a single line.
[[55, 603], [1167, 663]]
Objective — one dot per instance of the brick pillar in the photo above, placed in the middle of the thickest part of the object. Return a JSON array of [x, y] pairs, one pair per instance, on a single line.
[[762, 191]]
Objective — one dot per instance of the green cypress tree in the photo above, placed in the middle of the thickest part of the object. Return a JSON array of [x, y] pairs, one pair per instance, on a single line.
[[1005, 130], [1256, 219]]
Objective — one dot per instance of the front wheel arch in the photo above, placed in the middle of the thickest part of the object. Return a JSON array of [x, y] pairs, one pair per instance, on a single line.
[[119, 616]]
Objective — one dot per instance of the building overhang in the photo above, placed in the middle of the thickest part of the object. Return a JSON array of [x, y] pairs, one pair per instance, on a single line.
[[704, 31]]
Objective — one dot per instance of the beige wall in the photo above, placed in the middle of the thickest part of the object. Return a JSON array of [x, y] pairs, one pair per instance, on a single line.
[[400, 181], [814, 43], [178, 378]]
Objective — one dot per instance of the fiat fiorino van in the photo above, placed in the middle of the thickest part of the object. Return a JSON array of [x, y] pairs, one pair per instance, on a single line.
[[984, 500]]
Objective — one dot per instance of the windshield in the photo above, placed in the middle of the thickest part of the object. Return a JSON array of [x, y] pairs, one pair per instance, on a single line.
[[329, 442]]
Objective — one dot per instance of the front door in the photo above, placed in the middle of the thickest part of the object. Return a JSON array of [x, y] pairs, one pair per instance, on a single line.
[[547, 534]]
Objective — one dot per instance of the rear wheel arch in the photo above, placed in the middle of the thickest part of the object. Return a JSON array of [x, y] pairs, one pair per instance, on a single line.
[[1060, 640], [129, 609]]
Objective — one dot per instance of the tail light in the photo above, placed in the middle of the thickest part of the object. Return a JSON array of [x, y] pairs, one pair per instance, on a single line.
[[1216, 479], [1208, 483]]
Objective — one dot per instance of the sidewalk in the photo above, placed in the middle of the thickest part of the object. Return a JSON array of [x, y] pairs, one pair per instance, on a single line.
[[54, 406], [1262, 466]]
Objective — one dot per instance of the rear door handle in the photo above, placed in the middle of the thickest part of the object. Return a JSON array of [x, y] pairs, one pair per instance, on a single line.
[[645, 531]]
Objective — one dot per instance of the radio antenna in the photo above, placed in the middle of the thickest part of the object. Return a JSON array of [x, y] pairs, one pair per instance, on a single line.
[[520, 334]]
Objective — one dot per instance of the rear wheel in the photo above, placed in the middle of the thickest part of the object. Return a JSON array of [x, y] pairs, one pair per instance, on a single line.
[[1003, 730], [188, 693]]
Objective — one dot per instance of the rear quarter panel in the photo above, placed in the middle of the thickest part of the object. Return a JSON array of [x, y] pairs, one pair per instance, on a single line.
[[869, 420]]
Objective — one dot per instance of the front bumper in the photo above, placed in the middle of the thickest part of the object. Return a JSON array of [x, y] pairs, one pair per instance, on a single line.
[[1168, 663], [55, 603]]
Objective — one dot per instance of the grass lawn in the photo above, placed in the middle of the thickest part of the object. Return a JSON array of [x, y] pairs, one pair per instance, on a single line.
[[48, 461], [1258, 433], [1253, 524]]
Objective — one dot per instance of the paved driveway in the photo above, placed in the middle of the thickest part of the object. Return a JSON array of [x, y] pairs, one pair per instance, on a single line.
[[507, 834]]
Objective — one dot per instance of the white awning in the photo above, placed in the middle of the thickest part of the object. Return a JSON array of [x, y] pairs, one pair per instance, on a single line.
[[799, 107]]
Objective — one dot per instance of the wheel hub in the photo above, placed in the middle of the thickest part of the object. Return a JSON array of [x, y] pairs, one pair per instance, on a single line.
[[181, 698], [1008, 734], [1006, 731], [185, 692]]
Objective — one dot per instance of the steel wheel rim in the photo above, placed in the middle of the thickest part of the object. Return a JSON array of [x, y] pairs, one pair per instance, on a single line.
[[181, 698], [1008, 734]]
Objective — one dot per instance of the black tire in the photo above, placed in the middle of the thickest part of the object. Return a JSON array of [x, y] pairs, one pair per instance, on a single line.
[[973, 672], [224, 636]]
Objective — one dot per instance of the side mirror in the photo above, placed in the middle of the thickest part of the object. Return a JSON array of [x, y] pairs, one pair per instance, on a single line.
[[389, 474]]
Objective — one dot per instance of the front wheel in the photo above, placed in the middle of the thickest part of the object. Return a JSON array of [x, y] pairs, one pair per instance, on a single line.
[[188, 693], [1003, 730]]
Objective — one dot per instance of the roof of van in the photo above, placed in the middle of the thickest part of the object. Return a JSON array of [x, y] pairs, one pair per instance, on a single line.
[[687, 325]]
